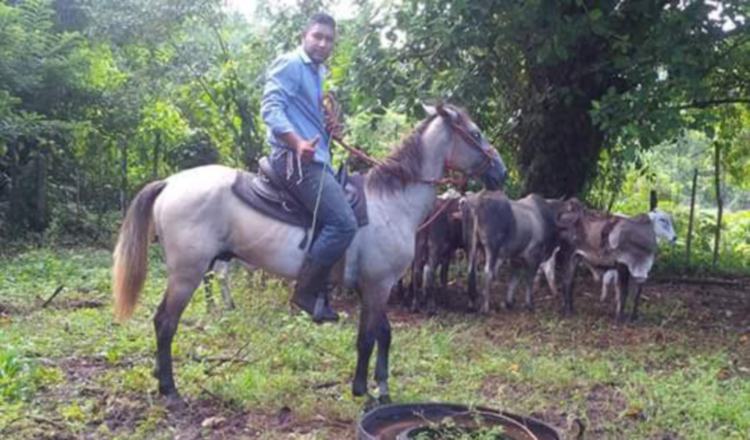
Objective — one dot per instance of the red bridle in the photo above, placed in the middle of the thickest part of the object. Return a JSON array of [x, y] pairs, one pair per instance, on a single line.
[[333, 108]]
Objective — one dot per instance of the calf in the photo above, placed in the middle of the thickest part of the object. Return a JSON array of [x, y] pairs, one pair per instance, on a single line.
[[436, 244], [522, 232], [606, 242]]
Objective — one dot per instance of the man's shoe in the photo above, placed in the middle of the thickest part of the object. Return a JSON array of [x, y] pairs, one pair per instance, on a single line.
[[310, 292]]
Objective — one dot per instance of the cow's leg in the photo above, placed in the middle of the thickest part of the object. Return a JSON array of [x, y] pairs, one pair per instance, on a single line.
[[428, 282], [471, 284], [417, 276], [433, 260], [548, 268], [489, 276], [512, 284], [568, 281], [528, 275], [636, 301], [610, 278], [624, 277]]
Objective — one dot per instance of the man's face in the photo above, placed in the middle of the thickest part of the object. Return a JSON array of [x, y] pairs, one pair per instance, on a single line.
[[318, 42]]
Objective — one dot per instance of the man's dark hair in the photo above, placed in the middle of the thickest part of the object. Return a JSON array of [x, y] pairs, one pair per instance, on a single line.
[[320, 18]]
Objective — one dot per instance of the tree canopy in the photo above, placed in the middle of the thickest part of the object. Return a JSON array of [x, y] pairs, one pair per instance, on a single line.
[[99, 97]]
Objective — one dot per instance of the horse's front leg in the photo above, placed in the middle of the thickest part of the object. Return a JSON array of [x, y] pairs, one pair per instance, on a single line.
[[373, 327], [383, 337]]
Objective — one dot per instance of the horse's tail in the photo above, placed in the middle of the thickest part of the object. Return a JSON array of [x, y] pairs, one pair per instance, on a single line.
[[131, 253]]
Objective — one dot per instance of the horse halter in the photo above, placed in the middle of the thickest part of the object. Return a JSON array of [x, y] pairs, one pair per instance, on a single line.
[[472, 142], [333, 108]]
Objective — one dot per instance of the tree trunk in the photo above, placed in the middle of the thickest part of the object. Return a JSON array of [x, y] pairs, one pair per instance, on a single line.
[[157, 150], [719, 201], [653, 200], [39, 221], [123, 176], [558, 141], [559, 158]]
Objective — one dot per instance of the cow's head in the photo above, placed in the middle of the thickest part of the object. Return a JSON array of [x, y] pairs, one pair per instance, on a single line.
[[663, 227], [568, 217]]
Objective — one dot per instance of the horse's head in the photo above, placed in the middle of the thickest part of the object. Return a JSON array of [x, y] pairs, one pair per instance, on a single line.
[[470, 152], [663, 227]]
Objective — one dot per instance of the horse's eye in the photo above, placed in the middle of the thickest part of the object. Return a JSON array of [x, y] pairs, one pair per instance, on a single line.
[[476, 135]]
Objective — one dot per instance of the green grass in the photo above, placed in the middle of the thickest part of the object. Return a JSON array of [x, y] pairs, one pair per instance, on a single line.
[[87, 376]]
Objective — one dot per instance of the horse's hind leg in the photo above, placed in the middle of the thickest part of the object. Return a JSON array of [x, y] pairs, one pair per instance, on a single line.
[[180, 288], [383, 337]]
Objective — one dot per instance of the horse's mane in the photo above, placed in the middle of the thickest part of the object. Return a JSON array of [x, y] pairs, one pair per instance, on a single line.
[[402, 165]]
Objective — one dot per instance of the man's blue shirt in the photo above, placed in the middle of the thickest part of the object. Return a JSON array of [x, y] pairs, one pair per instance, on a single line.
[[292, 101]]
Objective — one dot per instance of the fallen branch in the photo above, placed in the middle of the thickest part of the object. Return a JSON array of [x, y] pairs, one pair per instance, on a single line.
[[221, 360], [330, 384], [49, 300]]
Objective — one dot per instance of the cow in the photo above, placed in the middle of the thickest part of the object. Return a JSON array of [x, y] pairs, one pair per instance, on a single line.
[[522, 232], [664, 231], [436, 245], [608, 242]]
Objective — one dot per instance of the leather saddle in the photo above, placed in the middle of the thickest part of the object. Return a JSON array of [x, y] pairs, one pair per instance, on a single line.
[[265, 192]]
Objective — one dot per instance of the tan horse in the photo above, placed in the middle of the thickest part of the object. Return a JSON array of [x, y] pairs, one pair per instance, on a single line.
[[197, 217]]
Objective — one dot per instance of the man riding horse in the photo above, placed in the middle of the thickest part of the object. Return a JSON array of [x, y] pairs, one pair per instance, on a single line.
[[300, 131]]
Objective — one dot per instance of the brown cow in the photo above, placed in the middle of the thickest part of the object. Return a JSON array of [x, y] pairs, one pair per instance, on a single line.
[[522, 232], [606, 242]]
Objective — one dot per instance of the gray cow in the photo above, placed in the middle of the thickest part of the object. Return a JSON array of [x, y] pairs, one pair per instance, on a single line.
[[522, 232]]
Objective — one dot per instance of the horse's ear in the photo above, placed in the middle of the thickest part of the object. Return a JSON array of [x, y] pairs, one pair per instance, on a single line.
[[429, 109], [447, 112]]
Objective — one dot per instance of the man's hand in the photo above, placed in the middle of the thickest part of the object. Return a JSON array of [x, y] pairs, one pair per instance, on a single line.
[[306, 149]]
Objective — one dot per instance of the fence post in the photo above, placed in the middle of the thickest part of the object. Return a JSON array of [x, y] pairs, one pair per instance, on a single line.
[[653, 200], [692, 215]]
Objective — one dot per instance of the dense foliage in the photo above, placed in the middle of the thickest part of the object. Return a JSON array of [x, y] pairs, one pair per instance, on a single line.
[[580, 97]]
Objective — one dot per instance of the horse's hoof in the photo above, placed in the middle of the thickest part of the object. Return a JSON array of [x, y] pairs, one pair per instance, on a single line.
[[385, 399], [173, 402], [359, 389]]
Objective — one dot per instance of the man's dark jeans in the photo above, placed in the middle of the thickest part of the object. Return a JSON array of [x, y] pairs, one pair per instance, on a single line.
[[334, 213]]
